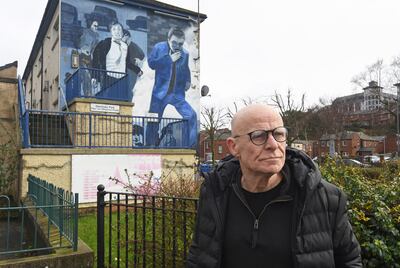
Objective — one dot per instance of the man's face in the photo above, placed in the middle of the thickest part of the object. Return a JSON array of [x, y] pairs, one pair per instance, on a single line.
[[94, 26], [116, 32], [126, 38], [266, 159], [176, 43]]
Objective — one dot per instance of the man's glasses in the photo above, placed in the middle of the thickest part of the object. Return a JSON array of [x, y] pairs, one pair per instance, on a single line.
[[260, 137]]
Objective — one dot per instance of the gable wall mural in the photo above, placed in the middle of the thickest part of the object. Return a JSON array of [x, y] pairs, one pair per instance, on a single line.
[[155, 55]]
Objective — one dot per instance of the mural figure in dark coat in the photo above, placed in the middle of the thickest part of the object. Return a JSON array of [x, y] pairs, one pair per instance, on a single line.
[[119, 54], [87, 43], [172, 79], [110, 54], [134, 62]]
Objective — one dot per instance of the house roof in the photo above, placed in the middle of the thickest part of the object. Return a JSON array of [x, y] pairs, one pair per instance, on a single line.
[[348, 98], [8, 77], [220, 134], [366, 149], [326, 137], [12, 64], [365, 137], [53, 4], [347, 135]]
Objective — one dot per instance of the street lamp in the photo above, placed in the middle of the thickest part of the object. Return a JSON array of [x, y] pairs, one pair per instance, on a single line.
[[397, 117]]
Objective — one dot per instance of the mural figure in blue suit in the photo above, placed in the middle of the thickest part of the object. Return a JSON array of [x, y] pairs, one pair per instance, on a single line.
[[172, 78]]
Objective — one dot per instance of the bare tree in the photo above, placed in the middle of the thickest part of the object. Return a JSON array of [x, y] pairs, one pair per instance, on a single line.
[[372, 72], [213, 120], [384, 75], [295, 116], [395, 70], [237, 105]]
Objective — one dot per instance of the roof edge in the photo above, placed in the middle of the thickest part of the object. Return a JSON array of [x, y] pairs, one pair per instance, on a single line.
[[53, 4], [160, 6], [8, 65]]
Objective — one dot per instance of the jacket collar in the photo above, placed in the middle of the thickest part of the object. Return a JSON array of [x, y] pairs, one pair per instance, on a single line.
[[303, 170]]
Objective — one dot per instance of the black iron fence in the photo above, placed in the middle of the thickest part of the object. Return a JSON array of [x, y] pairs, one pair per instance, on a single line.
[[143, 231]]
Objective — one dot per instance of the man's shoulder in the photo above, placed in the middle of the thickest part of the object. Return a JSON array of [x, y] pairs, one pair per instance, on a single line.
[[334, 196], [331, 188], [223, 173], [161, 45], [103, 43]]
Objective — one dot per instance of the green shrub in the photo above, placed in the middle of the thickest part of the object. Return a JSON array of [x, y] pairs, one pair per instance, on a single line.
[[9, 163], [374, 209], [373, 172]]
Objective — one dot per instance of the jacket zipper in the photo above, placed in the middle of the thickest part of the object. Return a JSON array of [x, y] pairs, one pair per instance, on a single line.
[[256, 224]]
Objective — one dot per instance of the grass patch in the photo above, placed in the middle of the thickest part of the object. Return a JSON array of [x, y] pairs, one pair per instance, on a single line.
[[153, 232]]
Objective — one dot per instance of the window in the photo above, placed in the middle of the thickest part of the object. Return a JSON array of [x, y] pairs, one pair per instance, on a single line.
[[344, 143], [206, 144], [323, 143], [220, 149], [364, 144], [55, 26]]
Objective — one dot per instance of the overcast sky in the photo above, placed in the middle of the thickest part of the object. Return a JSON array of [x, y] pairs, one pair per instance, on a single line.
[[253, 48]]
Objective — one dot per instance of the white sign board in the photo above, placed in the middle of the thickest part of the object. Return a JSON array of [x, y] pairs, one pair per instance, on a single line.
[[105, 108], [88, 171]]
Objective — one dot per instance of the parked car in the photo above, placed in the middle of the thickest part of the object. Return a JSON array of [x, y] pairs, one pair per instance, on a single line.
[[207, 166], [103, 15], [372, 159], [353, 163]]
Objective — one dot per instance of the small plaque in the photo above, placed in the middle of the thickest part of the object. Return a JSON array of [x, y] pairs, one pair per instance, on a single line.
[[104, 108]]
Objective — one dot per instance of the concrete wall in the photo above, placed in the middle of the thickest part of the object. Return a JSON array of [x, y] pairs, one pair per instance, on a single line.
[[8, 102], [55, 165], [82, 258], [106, 129]]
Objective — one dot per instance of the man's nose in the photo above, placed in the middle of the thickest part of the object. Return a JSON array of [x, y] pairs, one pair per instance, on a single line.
[[271, 142]]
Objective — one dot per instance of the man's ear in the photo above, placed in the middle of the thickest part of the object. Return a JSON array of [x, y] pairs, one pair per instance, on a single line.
[[231, 144]]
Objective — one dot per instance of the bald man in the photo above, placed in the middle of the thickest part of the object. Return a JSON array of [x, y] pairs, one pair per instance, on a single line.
[[267, 206]]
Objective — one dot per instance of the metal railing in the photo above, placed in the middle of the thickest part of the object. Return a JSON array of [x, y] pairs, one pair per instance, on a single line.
[[89, 130], [143, 231], [96, 83], [49, 221], [60, 206], [20, 234]]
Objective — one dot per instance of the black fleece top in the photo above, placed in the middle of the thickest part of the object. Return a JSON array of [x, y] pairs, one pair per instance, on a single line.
[[268, 244]]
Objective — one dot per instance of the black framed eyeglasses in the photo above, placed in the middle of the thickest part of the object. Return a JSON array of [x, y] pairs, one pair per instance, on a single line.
[[260, 137]]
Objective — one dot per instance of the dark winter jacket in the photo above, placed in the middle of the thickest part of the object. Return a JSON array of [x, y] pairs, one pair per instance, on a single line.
[[323, 235]]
